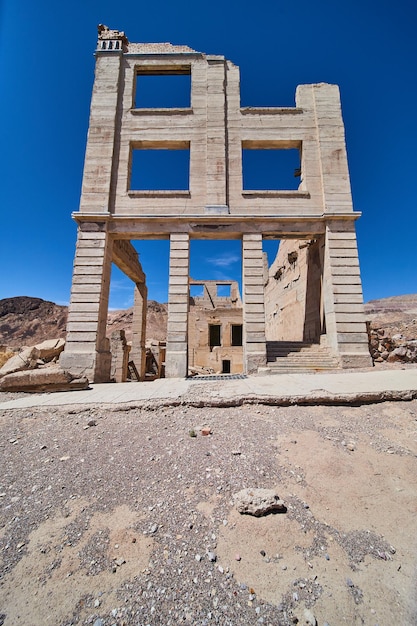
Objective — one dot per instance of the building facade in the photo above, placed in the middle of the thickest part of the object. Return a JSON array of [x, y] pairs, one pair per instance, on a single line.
[[214, 133]]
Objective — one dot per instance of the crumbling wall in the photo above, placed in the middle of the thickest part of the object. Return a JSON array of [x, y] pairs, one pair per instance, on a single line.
[[293, 292], [208, 310]]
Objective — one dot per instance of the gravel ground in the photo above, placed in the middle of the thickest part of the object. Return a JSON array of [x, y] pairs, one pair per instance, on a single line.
[[120, 515]]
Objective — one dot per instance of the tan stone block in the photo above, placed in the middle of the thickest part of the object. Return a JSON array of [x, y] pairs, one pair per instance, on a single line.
[[346, 337], [343, 253], [347, 262], [346, 280], [81, 326], [81, 336]]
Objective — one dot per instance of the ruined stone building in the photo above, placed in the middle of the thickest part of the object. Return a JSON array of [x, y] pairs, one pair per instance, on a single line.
[[215, 334], [215, 133]]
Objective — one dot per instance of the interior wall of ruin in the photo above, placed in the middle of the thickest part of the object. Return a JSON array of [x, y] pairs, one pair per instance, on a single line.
[[293, 292]]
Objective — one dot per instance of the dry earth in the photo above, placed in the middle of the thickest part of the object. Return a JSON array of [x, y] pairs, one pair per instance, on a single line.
[[108, 515]]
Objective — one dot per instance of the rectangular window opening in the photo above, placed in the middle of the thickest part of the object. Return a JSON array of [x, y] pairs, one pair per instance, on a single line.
[[163, 89], [269, 166], [214, 335], [237, 334], [196, 291], [223, 291], [160, 167]]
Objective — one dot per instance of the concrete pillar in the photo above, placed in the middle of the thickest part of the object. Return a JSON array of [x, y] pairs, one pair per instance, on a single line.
[[254, 343], [342, 296], [178, 302], [87, 349], [138, 351]]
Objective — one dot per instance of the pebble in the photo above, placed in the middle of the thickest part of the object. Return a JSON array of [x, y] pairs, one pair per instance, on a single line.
[[263, 553], [99, 622], [238, 557], [211, 556], [310, 618], [198, 557]]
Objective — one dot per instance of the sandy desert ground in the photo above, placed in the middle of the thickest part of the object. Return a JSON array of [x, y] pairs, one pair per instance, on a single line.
[[116, 515]]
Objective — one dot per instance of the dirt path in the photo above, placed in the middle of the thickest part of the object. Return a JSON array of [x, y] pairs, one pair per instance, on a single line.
[[113, 516]]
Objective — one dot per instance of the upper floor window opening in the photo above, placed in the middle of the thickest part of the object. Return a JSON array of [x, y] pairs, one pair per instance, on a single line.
[[162, 88]]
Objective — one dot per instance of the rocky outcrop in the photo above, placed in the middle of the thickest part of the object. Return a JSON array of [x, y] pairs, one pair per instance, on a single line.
[[46, 379], [28, 321]]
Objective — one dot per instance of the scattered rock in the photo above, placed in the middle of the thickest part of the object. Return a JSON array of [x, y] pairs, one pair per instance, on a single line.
[[258, 502], [206, 431]]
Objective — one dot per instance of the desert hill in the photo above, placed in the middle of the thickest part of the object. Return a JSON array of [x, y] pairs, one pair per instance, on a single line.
[[26, 321], [395, 315]]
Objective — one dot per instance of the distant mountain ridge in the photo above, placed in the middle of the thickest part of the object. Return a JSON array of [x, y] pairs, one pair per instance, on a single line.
[[26, 321]]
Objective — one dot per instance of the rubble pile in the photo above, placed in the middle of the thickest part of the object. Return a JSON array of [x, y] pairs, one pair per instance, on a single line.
[[36, 369], [397, 348]]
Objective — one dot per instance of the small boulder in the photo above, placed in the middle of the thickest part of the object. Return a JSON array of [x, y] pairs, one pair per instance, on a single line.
[[258, 502]]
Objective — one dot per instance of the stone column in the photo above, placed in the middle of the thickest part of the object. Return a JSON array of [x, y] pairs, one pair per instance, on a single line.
[[342, 296], [178, 303], [254, 343], [138, 351], [87, 351], [119, 356]]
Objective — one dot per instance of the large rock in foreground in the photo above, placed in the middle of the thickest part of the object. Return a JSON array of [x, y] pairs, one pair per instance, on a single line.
[[25, 359], [30, 358], [258, 502], [45, 379]]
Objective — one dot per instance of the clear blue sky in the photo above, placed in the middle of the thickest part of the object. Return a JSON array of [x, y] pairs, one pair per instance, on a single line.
[[47, 68]]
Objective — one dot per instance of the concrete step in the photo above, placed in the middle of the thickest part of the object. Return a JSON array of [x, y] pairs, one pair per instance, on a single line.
[[299, 357]]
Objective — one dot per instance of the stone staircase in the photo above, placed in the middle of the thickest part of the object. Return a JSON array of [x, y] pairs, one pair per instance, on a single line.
[[296, 357]]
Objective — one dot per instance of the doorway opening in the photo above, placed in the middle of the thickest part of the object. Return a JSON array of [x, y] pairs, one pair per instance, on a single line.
[[226, 366]]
